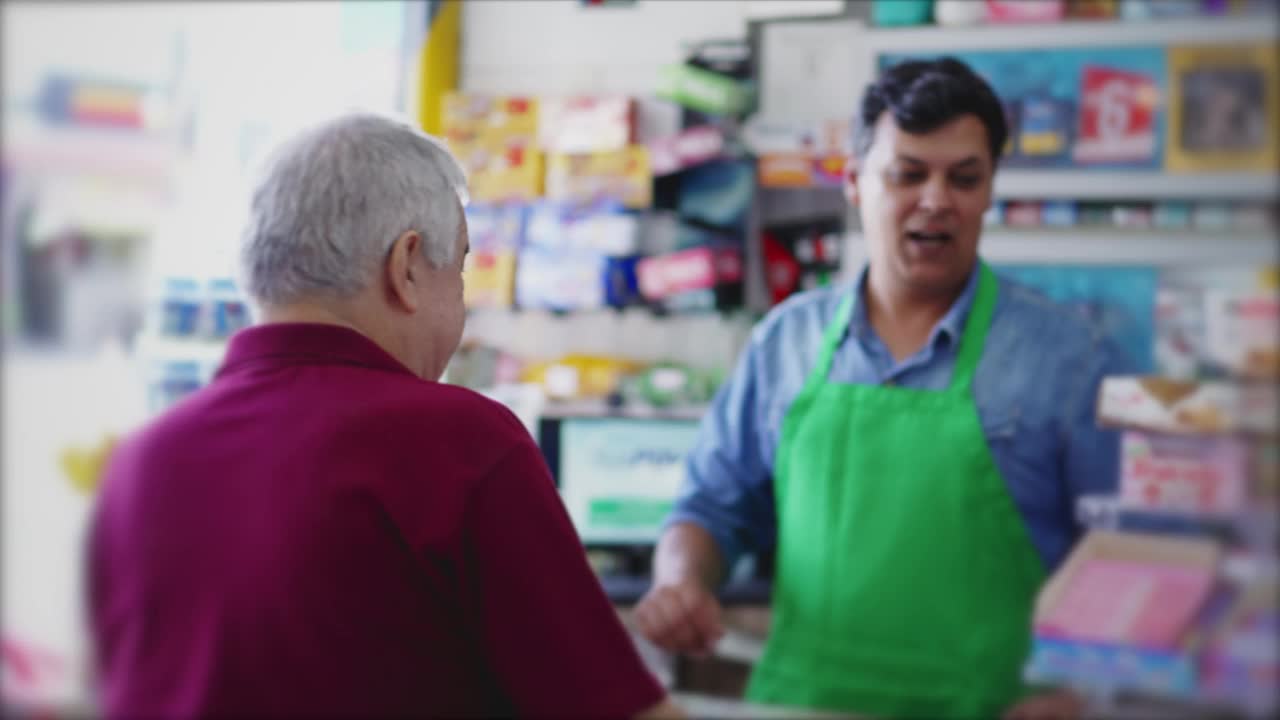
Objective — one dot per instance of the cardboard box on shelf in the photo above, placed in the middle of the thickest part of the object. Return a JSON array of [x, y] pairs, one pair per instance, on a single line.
[[557, 279], [1242, 332], [699, 268], [1129, 589], [586, 123], [489, 279], [1188, 406], [597, 227], [623, 175], [1185, 473], [501, 174], [672, 153], [470, 118]]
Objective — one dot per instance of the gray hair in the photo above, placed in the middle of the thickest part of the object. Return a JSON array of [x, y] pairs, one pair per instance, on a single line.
[[331, 201]]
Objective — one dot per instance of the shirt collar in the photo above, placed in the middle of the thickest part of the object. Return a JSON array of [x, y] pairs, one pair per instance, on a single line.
[[306, 344], [949, 327]]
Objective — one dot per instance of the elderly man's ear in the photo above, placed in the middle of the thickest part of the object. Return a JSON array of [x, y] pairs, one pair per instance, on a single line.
[[403, 271]]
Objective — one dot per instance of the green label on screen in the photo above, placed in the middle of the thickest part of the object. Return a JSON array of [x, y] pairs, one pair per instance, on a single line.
[[627, 512]]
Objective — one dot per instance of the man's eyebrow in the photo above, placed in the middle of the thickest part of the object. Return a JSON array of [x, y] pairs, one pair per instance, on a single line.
[[967, 162]]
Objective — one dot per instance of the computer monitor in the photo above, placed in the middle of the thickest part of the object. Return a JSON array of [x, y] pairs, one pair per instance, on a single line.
[[618, 476]]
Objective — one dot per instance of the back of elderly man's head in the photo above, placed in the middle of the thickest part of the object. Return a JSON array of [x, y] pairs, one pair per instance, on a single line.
[[331, 201]]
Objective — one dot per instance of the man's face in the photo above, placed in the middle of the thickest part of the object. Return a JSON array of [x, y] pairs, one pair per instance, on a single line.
[[921, 199]]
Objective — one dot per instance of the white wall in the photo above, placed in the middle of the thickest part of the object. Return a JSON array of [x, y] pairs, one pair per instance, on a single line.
[[561, 47]]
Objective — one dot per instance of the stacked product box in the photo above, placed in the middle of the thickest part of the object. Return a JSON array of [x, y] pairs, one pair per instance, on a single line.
[[495, 139], [1187, 608]]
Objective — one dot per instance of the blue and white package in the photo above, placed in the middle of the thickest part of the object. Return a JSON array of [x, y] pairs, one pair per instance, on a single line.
[[604, 227], [556, 279]]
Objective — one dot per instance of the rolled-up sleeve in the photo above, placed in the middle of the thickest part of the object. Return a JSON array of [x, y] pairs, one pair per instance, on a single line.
[[728, 488]]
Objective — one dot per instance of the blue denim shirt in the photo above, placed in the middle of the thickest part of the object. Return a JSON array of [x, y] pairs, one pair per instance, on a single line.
[[1034, 388]]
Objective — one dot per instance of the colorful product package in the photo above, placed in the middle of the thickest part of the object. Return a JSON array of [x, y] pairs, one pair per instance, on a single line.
[[718, 194], [1185, 473], [1044, 127], [586, 124], [1187, 406], [672, 153], [621, 175], [228, 311], [496, 234], [704, 90], [1129, 589], [699, 268], [1058, 213], [468, 118], [1242, 332], [1179, 328], [1117, 117], [1240, 659], [1022, 214], [501, 174], [561, 280], [1022, 11], [180, 303], [602, 227]]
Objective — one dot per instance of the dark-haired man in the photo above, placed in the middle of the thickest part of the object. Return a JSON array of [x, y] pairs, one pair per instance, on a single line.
[[912, 444]]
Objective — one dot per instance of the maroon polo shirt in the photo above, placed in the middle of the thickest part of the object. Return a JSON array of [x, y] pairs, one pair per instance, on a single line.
[[321, 533]]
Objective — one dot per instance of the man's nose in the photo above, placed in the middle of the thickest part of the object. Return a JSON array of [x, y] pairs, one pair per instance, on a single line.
[[936, 194]]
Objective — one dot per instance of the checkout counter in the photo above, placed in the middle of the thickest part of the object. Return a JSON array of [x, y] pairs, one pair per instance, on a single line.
[[619, 474]]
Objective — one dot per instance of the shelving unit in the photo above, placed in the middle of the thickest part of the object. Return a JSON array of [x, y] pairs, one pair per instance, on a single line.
[[1087, 246], [1087, 33], [1131, 184]]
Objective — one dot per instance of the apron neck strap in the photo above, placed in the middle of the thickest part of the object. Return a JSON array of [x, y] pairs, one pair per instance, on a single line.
[[975, 330], [971, 343], [831, 340]]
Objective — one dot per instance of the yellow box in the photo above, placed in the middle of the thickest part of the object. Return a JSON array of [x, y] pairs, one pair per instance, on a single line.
[[622, 175], [489, 279], [469, 118]]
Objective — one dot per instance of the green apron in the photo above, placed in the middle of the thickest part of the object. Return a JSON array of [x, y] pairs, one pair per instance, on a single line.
[[906, 579]]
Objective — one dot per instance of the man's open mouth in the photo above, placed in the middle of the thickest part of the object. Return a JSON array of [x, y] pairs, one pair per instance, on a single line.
[[929, 238]]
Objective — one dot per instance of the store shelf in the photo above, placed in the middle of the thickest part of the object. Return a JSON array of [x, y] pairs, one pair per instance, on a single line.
[[1114, 247], [1076, 33], [1082, 184], [1254, 527]]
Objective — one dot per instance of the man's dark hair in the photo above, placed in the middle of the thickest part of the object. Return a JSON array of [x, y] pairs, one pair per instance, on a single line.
[[924, 95]]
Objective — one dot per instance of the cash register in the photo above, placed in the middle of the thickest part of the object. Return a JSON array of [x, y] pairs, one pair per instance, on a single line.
[[619, 475]]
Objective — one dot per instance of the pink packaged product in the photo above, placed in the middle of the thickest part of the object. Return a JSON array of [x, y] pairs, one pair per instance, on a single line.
[[1020, 11], [1186, 473], [694, 269], [673, 153], [586, 124], [1128, 602]]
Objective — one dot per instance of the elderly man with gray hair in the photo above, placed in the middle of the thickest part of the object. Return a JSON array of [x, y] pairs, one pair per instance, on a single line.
[[325, 530]]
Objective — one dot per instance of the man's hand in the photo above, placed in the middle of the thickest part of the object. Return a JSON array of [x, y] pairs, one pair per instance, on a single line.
[[680, 617], [1051, 705]]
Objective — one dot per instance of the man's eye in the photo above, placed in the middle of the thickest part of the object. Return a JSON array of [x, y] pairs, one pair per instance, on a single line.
[[906, 178], [966, 181]]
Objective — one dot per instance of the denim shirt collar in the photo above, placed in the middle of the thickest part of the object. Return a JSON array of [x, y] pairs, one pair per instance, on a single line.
[[948, 329]]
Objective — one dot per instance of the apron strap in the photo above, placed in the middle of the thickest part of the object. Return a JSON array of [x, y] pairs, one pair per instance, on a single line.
[[971, 343], [975, 330], [830, 341]]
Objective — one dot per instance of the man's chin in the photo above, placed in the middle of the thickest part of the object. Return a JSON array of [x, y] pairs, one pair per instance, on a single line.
[[936, 278]]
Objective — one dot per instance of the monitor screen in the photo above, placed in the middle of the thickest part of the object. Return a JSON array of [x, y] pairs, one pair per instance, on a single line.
[[618, 477]]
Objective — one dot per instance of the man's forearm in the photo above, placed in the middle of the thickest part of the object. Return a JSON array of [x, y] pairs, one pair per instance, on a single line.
[[687, 551]]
